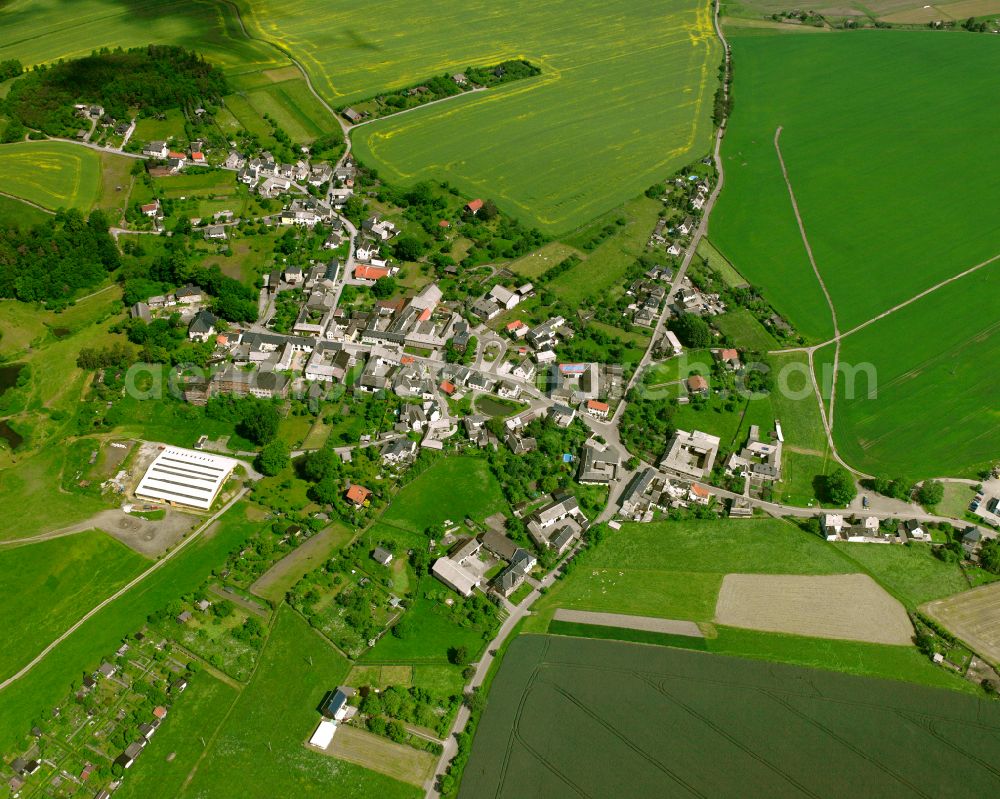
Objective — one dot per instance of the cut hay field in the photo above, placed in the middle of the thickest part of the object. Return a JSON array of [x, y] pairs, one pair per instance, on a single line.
[[973, 616], [859, 158], [844, 606], [570, 717], [51, 174], [39, 31], [674, 570], [47, 586], [625, 90]]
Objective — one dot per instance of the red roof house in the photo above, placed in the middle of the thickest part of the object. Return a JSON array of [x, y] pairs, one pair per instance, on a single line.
[[364, 272], [357, 495], [448, 387], [474, 206]]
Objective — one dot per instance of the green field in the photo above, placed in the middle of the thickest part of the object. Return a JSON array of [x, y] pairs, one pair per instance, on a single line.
[[671, 728], [452, 488], [165, 767], [51, 584], [911, 573], [674, 569], [741, 326], [259, 745], [51, 174], [627, 91], [50, 681], [290, 103], [16, 214], [936, 413], [45, 33], [863, 207]]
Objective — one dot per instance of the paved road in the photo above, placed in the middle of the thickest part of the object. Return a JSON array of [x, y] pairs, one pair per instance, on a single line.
[[692, 247], [122, 591]]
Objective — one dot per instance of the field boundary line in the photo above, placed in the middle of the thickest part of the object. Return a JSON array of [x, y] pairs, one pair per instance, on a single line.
[[41, 208], [239, 695], [914, 298], [815, 268], [121, 591]]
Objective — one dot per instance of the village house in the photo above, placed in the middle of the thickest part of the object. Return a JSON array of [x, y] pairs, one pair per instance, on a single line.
[[462, 569], [202, 326], [517, 570], [697, 386], [357, 495]]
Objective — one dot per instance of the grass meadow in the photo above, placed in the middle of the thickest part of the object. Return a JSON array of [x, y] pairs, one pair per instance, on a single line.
[[452, 488], [632, 113], [165, 767], [50, 584], [675, 570], [14, 213], [289, 102], [51, 174], [259, 745], [51, 681]]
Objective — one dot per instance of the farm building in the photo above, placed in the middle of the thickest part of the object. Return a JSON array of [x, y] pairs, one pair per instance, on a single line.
[[185, 477], [324, 734]]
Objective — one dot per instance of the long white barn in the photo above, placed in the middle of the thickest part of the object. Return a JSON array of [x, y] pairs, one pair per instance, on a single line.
[[185, 477]]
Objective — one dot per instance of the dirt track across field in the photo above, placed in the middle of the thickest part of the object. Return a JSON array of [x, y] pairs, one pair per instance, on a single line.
[[847, 606], [973, 616], [626, 622]]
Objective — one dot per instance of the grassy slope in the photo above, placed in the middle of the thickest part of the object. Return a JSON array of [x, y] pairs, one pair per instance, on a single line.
[[56, 386], [51, 174], [165, 767], [51, 680], [523, 144], [49, 585], [260, 744], [20, 215]]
